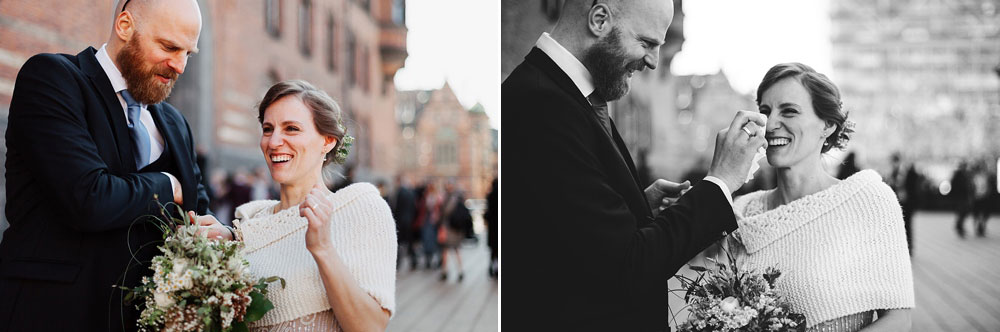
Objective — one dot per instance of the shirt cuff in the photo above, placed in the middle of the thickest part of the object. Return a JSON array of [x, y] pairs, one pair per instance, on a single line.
[[173, 187], [723, 186]]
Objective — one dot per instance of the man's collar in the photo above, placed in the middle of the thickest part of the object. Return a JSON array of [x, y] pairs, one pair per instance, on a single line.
[[568, 63], [114, 75]]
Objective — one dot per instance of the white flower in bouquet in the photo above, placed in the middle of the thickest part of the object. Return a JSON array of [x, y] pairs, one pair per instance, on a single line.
[[163, 300]]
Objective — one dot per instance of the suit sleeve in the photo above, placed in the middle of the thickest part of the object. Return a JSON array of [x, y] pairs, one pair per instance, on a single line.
[[48, 122]]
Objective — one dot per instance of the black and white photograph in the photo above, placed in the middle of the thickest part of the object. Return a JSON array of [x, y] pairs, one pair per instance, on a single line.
[[725, 165]]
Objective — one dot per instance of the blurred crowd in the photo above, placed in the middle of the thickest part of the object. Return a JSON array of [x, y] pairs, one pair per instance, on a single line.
[[433, 220]]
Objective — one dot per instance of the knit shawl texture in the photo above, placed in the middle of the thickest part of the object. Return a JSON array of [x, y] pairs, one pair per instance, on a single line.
[[362, 231], [841, 251]]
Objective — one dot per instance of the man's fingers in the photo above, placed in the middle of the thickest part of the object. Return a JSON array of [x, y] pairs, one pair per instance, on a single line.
[[745, 117], [670, 188]]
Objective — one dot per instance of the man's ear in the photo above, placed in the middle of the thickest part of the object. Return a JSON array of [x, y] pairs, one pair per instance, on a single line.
[[599, 19], [125, 26]]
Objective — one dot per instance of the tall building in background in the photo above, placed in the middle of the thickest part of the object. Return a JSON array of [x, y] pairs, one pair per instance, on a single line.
[[442, 141], [922, 71]]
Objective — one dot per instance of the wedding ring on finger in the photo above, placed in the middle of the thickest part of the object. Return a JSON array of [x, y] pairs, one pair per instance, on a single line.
[[745, 130]]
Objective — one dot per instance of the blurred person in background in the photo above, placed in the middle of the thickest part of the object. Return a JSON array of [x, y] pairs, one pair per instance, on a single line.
[[404, 210], [848, 167], [491, 217], [261, 186], [454, 216], [981, 196], [905, 182], [238, 190], [428, 220], [961, 195]]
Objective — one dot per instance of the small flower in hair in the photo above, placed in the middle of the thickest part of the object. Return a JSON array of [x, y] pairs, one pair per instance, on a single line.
[[341, 156], [845, 134]]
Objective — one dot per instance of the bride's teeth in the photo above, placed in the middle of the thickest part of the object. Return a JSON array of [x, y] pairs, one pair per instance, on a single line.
[[280, 158]]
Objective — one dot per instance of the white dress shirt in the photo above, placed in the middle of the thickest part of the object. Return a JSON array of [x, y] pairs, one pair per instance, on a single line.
[[118, 84], [585, 82]]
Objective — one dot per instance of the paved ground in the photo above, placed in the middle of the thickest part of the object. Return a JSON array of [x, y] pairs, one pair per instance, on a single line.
[[956, 281], [425, 303]]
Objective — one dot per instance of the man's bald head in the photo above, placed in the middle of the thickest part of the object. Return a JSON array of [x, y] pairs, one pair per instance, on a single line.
[[150, 43], [614, 38], [184, 12]]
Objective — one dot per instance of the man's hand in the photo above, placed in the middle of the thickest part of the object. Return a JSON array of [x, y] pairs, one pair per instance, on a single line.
[[662, 193], [735, 147], [177, 189], [210, 227]]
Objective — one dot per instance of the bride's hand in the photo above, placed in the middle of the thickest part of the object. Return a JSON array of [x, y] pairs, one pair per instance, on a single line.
[[210, 227], [317, 210]]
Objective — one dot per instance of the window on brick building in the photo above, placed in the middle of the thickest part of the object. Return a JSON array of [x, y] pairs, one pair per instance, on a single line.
[[331, 44], [446, 147], [399, 12], [352, 67], [305, 27], [272, 17], [365, 70]]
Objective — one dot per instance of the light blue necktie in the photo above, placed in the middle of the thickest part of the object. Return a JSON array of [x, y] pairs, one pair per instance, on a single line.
[[140, 137]]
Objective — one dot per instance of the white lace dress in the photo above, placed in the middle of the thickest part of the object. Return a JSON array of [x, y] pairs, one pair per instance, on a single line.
[[363, 233]]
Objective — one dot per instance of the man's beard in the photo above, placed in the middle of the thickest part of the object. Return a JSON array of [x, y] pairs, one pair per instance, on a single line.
[[609, 66], [142, 82]]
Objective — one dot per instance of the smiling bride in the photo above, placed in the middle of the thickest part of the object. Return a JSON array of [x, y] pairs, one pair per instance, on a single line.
[[336, 250], [840, 245]]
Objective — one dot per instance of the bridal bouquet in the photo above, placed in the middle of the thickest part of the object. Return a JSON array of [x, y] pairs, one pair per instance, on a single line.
[[198, 284], [723, 298]]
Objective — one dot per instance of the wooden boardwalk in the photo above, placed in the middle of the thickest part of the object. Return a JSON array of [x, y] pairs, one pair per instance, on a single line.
[[956, 281], [425, 303]]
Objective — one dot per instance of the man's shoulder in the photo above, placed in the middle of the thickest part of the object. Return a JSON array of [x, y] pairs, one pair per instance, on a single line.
[[171, 112], [42, 63]]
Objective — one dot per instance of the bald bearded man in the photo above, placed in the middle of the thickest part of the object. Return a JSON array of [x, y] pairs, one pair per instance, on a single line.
[[90, 144], [590, 250]]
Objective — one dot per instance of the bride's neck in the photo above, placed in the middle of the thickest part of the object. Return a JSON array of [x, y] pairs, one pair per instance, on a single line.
[[294, 193], [799, 181]]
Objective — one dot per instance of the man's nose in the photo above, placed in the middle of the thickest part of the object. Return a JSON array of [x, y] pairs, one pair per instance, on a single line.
[[652, 58], [177, 63]]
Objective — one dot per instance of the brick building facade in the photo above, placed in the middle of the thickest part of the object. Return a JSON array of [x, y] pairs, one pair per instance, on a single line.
[[444, 141]]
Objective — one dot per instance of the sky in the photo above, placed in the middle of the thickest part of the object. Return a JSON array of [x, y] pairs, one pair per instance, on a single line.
[[745, 38], [457, 41]]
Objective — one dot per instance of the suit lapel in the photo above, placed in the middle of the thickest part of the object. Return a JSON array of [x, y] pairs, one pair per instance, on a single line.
[[618, 161], [624, 153], [93, 69], [172, 144]]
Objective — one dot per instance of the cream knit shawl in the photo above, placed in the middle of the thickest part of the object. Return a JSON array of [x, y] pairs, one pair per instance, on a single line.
[[841, 251], [363, 233]]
